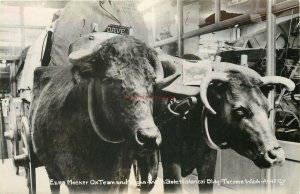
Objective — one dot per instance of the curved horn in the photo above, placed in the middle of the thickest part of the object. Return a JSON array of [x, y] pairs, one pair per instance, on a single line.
[[160, 81], [84, 54], [289, 84], [204, 85], [89, 53], [158, 68], [93, 120], [226, 67]]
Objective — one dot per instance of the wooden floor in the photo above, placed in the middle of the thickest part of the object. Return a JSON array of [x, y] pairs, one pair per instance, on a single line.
[[10, 183]]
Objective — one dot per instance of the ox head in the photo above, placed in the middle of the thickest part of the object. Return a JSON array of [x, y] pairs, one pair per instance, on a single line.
[[122, 72], [239, 111]]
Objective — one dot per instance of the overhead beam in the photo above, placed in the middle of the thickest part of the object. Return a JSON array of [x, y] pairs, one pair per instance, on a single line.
[[37, 3], [180, 27], [284, 6], [20, 26], [166, 41], [240, 20]]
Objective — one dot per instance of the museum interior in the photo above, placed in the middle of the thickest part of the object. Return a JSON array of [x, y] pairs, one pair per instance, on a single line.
[[260, 37]]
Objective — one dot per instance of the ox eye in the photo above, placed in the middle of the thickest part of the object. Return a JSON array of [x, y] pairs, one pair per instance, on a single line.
[[269, 113], [239, 112], [153, 79], [108, 81]]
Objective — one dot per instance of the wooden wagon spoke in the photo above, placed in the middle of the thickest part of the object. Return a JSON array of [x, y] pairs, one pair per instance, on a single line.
[[21, 160], [289, 123], [285, 114]]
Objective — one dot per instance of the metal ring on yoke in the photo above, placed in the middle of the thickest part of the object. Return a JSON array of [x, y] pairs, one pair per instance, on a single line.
[[206, 134], [176, 113]]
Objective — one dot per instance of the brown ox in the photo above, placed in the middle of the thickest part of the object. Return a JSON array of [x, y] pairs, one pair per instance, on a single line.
[[89, 119], [234, 114]]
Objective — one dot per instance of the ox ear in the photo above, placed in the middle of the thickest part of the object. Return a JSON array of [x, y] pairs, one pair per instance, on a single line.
[[216, 93], [81, 71], [82, 60], [216, 90]]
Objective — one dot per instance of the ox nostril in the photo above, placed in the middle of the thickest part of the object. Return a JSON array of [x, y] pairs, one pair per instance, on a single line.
[[146, 139], [139, 138], [158, 140], [278, 147], [271, 155]]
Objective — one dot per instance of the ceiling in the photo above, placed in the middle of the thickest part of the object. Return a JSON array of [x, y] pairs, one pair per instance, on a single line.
[[36, 3], [37, 14]]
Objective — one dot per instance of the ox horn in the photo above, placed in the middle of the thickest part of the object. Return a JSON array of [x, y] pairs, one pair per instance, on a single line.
[[84, 54], [89, 53], [226, 67], [160, 81], [274, 80], [220, 76]]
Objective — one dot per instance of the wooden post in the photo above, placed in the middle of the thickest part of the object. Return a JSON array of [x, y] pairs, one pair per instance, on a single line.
[[180, 27], [271, 68], [217, 11], [244, 60], [3, 144], [13, 80], [22, 29]]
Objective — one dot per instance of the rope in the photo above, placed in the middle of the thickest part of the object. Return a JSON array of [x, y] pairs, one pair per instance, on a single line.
[[111, 15]]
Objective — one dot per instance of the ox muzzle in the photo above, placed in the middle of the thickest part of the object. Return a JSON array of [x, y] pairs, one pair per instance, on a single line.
[[272, 157], [147, 136]]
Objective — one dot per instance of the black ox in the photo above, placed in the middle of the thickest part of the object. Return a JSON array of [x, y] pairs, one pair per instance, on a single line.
[[90, 119], [232, 113]]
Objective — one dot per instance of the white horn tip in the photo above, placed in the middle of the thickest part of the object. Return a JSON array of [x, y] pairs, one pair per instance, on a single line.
[[166, 81], [211, 111], [291, 87], [78, 55], [289, 84]]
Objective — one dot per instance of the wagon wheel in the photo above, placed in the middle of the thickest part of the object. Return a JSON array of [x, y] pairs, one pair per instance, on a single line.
[[14, 135], [3, 145], [27, 157], [16, 148], [295, 98], [286, 121]]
